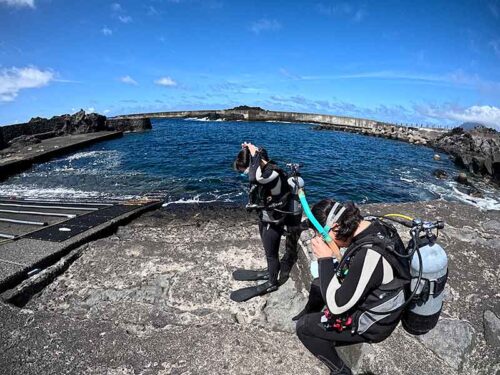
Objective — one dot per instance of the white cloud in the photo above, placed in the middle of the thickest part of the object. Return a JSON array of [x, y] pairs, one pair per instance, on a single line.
[[128, 80], [125, 19], [484, 114], [106, 31], [15, 79], [343, 10], [90, 110], [495, 44], [494, 9], [166, 81], [152, 11], [116, 7], [265, 25], [19, 3]]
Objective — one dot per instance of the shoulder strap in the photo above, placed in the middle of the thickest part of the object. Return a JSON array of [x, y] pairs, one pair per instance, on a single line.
[[385, 247]]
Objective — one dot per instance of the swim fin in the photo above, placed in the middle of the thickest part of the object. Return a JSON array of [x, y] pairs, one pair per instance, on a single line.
[[245, 294], [250, 275]]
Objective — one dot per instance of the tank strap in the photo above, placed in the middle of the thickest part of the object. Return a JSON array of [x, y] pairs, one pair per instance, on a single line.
[[437, 286]]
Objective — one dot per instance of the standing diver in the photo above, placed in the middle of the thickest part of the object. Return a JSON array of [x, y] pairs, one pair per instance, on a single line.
[[368, 280], [270, 195]]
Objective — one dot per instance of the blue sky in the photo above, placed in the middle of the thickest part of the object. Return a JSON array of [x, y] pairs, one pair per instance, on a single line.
[[432, 62]]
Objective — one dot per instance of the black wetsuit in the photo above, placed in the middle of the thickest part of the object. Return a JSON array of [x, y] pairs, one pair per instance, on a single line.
[[368, 270], [271, 223]]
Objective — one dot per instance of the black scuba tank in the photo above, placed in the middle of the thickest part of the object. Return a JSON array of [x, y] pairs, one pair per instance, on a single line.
[[422, 314]]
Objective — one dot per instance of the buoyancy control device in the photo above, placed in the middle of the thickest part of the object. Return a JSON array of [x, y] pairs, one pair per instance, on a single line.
[[421, 270], [428, 268]]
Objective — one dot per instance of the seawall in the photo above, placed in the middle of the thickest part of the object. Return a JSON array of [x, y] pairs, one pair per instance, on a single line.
[[415, 135]]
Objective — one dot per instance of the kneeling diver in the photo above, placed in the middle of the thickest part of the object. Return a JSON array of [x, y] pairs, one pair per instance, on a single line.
[[371, 277]]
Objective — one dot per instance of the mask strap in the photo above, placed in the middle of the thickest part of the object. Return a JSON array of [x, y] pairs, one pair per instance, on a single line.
[[334, 215]]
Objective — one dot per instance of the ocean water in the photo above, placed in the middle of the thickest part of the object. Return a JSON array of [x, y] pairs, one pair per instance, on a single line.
[[185, 160]]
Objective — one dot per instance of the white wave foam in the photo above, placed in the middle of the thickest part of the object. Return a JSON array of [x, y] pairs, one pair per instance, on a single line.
[[196, 119], [406, 179], [54, 193], [448, 191], [486, 203], [92, 154], [197, 199]]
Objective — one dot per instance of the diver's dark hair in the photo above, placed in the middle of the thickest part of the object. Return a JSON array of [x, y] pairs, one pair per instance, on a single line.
[[242, 161], [348, 222]]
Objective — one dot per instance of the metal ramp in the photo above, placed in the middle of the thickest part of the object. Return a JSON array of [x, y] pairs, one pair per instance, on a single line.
[[36, 233]]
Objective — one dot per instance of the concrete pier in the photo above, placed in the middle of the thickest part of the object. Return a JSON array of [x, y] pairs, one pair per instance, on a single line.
[[12, 162]]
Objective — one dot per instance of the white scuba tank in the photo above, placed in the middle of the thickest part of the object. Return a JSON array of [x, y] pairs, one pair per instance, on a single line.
[[423, 312], [295, 183]]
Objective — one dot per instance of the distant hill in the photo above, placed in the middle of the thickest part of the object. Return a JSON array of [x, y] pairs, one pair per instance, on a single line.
[[246, 108], [472, 125]]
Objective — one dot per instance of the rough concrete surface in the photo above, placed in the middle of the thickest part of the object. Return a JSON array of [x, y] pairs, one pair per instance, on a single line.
[[154, 299]]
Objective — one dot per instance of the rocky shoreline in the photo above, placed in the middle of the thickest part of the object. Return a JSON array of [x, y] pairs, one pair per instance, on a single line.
[[13, 137], [477, 150], [154, 299]]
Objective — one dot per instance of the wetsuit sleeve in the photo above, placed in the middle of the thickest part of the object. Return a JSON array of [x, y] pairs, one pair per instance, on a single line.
[[327, 269], [366, 272], [258, 176]]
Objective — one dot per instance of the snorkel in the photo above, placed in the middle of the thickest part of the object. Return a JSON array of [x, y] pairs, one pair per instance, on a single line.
[[307, 211], [334, 215]]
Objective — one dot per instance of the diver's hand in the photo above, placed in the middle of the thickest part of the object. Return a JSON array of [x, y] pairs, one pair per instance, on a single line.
[[323, 250], [253, 150]]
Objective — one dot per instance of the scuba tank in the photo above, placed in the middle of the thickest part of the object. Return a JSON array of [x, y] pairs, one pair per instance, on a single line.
[[295, 183], [422, 314]]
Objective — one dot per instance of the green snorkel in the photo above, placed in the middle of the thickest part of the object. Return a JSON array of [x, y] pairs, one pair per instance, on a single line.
[[305, 206]]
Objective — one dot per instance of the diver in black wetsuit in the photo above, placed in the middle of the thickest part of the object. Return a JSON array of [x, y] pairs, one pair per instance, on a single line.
[[271, 193], [348, 294]]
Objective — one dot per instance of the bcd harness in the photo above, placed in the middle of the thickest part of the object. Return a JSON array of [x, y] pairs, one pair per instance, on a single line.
[[387, 301]]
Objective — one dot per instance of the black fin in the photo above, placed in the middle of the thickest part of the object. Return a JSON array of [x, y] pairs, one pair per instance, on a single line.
[[245, 294], [250, 275]]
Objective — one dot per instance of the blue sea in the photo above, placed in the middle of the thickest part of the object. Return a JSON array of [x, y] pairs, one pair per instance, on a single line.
[[187, 160]]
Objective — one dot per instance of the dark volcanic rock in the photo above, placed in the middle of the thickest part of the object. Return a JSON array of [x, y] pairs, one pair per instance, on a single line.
[[24, 140], [129, 124], [439, 173], [462, 179], [477, 150], [247, 108]]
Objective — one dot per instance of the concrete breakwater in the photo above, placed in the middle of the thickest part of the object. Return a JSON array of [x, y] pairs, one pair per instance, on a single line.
[[415, 135]]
